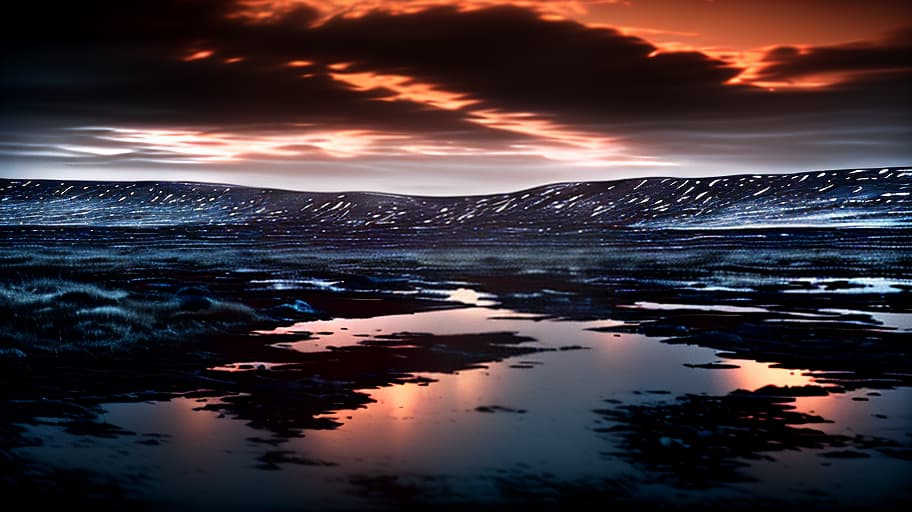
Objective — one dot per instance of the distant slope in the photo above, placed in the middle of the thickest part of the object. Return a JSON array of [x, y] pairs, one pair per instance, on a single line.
[[856, 198]]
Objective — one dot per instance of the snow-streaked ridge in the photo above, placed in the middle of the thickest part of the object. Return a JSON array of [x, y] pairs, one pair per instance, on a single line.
[[844, 198]]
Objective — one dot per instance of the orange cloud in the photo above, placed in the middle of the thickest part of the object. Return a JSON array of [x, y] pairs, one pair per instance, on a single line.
[[591, 13], [258, 10], [545, 138], [196, 146], [404, 88], [751, 63]]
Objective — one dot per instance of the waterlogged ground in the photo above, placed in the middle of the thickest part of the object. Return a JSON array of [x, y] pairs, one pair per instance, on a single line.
[[165, 368]]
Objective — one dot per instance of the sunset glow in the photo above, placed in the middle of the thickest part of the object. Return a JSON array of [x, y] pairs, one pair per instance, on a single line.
[[258, 10], [202, 147], [198, 55], [199, 147], [299, 63], [403, 88], [546, 139], [542, 90], [380, 255]]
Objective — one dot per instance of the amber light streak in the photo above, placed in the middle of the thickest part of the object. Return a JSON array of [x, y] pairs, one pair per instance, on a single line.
[[751, 64], [702, 26], [748, 61], [536, 136], [198, 55], [555, 10], [542, 137], [201, 147], [403, 88]]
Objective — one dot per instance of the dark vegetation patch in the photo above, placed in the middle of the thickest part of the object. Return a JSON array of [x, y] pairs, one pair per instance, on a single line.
[[699, 441]]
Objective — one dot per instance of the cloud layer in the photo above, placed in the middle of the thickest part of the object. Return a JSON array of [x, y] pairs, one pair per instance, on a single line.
[[469, 88]]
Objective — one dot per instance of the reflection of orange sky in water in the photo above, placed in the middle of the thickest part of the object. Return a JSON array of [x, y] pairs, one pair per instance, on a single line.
[[391, 420], [345, 331], [469, 296], [402, 416], [401, 403], [396, 406], [754, 375], [193, 425], [349, 332]]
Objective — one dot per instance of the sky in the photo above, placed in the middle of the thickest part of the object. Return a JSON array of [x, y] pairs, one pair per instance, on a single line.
[[445, 97]]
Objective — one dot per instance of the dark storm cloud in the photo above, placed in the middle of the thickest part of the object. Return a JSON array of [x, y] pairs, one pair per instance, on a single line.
[[123, 57], [114, 62], [509, 55], [113, 59], [891, 55], [125, 64], [115, 86]]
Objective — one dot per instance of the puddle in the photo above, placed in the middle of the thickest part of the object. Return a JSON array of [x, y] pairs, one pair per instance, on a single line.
[[462, 431]]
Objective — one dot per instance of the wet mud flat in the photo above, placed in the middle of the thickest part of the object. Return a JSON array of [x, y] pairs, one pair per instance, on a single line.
[[219, 370]]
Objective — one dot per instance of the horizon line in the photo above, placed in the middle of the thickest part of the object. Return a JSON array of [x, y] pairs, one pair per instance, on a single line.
[[894, 168]]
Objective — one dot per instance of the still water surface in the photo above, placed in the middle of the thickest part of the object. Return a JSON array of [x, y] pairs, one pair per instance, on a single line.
[[471, 435]]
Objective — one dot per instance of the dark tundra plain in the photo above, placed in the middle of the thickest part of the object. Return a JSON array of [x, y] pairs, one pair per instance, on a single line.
[[665, 342]]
